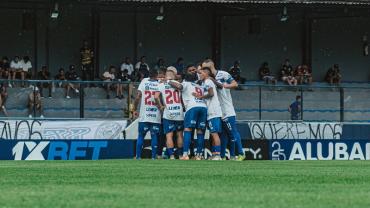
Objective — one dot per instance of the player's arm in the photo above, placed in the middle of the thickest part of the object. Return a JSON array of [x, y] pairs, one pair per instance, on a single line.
[[157, 98], [136, 103], [232, 85], [175, 85], [218, 85]]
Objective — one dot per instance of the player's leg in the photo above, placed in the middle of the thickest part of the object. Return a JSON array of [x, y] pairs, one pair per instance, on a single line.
[[201, 127], [189, 124], [142, 130], [168, 130], [180, 142], [154, 133], [224, 142], [215, 128], [180, 136], [236, 135], [226, 135]]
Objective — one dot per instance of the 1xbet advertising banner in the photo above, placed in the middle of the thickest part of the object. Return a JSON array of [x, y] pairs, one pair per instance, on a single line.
[[319, 150], [66, 149]]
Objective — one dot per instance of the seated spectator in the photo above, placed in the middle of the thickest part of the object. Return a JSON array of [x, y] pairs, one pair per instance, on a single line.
[[333, 75], [123, 77], [295, 109], [160, 66], [44, 74], [61, 76], [235, 72], [179, 65], [142, 69], [128, 66], [303, 74], [265, 74], [15, 68], [5, 68], [108, 77], [34, 102], [72, 75], [3, 97], [287, 73], [26, 69]]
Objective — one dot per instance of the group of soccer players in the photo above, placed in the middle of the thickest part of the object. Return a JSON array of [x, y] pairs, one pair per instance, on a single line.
[[182, 107]]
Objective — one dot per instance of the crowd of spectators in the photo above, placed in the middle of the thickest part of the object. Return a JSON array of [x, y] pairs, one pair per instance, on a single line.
[[115, 78]]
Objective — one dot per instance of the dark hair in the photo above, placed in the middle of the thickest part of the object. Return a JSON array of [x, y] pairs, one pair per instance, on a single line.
[[298, 97], [180, 59], [26, 58], [190, 77], [142, 57], [5, 58], [61, 69], [209, 72], [153, 73]]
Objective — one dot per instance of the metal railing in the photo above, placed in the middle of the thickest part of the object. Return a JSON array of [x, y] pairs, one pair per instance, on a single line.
[[254, 101]]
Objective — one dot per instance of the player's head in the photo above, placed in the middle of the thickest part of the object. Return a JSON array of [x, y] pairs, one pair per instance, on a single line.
[[190, 77], [153, 74], [210, 64], [204, 73], [171, 73], [298, 98], [191, 69]]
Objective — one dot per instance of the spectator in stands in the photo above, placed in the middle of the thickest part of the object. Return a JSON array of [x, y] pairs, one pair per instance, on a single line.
[[15, 68], [87, 55], [142, 69], [72, 75], [333, 75], [61, 76], [287, 74], [295, 109], [108, 77], [44, 74], [5, 68], [179, 65], [26, 69], [303, 74], [128, 66], [123, 76], [160, 66], [235, 72], [3, 97], [265, 74], [34, 102]]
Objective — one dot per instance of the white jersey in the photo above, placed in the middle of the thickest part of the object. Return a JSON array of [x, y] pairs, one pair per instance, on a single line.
[[188, 98], [213, 104], [224, 94], [171, 97], [149, 111]]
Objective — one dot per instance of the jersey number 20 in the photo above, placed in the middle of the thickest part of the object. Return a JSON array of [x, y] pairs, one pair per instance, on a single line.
[[172, 97]]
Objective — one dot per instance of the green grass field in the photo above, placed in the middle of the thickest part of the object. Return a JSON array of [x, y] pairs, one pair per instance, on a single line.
[[146, 183]]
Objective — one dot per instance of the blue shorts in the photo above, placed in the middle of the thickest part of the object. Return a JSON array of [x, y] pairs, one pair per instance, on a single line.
[[196, 118], [172, 126], [144, 127], [229, 125], [215, 125]]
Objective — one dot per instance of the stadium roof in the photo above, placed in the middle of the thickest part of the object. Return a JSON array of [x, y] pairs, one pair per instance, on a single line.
[[337, 2]]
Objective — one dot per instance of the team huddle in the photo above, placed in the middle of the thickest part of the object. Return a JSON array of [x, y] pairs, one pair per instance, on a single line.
[[182, 108]]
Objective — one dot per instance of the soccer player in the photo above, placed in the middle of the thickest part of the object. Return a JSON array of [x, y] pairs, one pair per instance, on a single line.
[[195, 113], [168, 99], [150, 115], [214, 110], [225, 82]]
